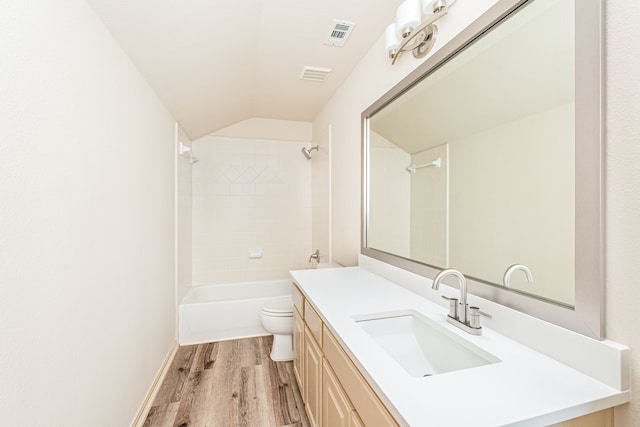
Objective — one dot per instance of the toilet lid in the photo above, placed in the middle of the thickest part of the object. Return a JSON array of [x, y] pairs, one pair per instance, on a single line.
[[279, 307]]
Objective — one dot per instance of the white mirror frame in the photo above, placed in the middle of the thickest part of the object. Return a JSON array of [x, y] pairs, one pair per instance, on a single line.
[[587, 316]]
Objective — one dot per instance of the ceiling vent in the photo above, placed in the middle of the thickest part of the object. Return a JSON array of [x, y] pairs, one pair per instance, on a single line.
[[316, 74], [339, 32]]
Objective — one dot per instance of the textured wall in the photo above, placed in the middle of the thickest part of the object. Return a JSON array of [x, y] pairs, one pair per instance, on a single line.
[[86, 221], [623, 189]]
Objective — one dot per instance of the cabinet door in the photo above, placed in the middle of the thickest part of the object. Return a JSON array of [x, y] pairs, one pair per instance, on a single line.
[[298, 351], [336, 409], [312, 378], [370, 409], [355, 420]]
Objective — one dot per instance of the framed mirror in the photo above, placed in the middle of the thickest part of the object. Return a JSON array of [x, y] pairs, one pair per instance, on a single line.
[[488, 159]]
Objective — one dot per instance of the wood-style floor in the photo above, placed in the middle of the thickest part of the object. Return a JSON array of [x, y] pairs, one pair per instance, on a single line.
[[228, 384]]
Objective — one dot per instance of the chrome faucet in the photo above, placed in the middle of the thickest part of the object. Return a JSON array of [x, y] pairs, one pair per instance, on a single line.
[[460, 314], [316, 256], [506, 280], [463, 290]]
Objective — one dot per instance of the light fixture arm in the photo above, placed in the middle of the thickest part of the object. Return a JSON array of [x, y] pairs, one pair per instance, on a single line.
[[419, 36]]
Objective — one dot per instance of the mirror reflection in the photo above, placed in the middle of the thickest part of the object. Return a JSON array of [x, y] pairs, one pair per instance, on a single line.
[[473, 168]]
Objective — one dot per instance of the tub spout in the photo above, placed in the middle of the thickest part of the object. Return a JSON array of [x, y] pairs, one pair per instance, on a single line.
[[315, 255]]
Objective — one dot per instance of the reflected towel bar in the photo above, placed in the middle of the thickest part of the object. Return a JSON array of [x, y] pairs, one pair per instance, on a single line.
[[437, 163]]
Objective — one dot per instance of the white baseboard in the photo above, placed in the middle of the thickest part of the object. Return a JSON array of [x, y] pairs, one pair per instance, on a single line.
[[141, 416]]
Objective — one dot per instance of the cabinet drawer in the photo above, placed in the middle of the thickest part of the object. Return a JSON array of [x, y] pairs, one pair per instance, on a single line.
[[314, 323], [370, 409], [298, 299]]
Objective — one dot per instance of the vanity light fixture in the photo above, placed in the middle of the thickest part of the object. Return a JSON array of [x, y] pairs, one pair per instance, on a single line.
[[410, 32]]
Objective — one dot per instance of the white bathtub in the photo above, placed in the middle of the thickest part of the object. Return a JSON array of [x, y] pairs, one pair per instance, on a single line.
[[229, 311]]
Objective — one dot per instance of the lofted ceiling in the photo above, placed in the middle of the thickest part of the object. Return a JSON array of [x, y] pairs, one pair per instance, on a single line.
[[218, 62]]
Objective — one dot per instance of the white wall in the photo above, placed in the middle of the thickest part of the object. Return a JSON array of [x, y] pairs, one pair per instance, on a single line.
[[260, 128], [86, 221], [623, 189], [249, 193], [430, 207], [390, 205], [184, 259], [489, 231], [321, 194], [374, 76]]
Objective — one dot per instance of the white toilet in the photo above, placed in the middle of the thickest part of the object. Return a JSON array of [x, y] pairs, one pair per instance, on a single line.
[[277, 319]]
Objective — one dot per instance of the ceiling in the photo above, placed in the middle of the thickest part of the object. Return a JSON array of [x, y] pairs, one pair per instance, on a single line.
[[218, 62]]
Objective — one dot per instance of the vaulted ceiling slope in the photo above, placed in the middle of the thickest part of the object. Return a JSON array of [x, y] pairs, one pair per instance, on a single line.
[[218, 62]]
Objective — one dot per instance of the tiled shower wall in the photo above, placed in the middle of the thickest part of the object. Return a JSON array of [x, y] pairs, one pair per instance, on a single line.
[[249, 194]]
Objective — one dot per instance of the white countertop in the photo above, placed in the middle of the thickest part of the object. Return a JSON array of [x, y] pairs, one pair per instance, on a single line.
[[526, 388]]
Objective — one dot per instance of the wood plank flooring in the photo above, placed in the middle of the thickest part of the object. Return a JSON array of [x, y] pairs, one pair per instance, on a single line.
[[228, 384]]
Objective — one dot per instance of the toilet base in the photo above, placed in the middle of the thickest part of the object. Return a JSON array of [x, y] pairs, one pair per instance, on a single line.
[[282, 348]]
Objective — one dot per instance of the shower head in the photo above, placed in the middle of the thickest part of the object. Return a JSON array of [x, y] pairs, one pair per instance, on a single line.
[[307, 151]]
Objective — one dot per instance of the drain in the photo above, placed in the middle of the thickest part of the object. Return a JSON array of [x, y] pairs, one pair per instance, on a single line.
[[426, 375]]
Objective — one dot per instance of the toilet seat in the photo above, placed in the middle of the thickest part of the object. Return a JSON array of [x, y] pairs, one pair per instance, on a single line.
[[282, 308]]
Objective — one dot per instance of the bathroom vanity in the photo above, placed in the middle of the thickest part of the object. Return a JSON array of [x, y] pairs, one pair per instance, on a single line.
[[349, 375], [319, 361]]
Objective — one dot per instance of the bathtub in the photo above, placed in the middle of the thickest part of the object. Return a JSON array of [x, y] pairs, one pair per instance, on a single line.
[[228, 311]]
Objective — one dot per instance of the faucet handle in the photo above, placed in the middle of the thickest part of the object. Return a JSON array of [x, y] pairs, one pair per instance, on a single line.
[[474, 317], [453, 306]]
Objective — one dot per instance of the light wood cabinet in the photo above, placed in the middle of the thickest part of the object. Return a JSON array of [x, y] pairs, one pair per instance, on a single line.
[[336, 408], [366, 403], [602, 418], [313, 322], [298, 350], [334, 392], [312, 382], [355, 420], [298, 299]]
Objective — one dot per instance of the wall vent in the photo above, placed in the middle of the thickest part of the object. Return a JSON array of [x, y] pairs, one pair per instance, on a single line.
[[339, 32], [316, 74]]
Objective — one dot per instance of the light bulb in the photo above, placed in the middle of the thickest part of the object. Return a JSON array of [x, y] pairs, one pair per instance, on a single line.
[[408, 17], [435, 6], [391, 41]]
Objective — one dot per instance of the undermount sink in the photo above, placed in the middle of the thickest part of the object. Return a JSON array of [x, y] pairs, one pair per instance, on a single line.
[[421, 346]]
